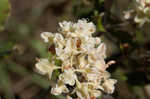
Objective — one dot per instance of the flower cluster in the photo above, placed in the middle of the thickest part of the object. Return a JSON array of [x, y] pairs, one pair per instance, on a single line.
[[83, 67], [141, 12]]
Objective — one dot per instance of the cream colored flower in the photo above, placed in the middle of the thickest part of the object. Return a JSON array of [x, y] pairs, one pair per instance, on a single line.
[[95, 93], [68, 97], [70, 47], [83, 63], [106, 75], [93, 74], [45, 67], [85, 28], [83, 68], [82, 91], [97, 40], [140, 13], [68, 77], [101, 50], [46, 36], [65, 26], [62, 55], [141, 21], [108, 85], [88, 44], [96, 60], [58, 89], [59, 40]]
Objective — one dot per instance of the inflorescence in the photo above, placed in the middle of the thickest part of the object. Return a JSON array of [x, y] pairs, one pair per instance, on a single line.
[[82, 57], [140, 12]]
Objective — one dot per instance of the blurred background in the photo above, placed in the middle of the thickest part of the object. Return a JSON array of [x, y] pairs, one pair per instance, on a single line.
[[22, 21]]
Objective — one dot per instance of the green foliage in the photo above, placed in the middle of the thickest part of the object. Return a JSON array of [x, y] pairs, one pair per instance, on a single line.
[[100, 25], [4, 12], [5, 82]]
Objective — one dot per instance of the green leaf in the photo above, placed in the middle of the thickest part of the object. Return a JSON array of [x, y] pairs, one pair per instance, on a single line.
[[5, 82], [4, 12], [100, 25]]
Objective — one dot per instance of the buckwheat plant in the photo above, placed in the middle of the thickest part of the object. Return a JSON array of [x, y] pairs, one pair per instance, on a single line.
[[141, 12], [83, 72]]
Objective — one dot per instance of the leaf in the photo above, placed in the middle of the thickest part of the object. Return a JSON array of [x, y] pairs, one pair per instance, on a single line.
[[5, 82], [4, 12], [100, 25]]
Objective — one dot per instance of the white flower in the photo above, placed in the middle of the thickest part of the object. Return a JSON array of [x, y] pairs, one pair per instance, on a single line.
[[108, 85], [140, 13], [97, 61], [93, 74], [83, 63], [59, 51], [82, 91], [68, 77], [59, 40], [82, 58], [69, 46], [68, 97], [46, 36], [141, 21], [97, 40], [88, 44], [87, 28], [106, 75], [96, 93], [101, 50], [45, 67], [58, 89], [127, 14], [65, 26]]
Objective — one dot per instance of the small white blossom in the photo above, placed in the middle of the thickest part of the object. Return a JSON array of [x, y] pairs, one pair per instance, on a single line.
[[82, 62], [68, 97], [59, 40], [65, 26], [96, 93], [46, 36], [82, 91], [140, 13], [87, 28], [108, 86], [58, 89], [68, 77], [45, 67], [101, 50]]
